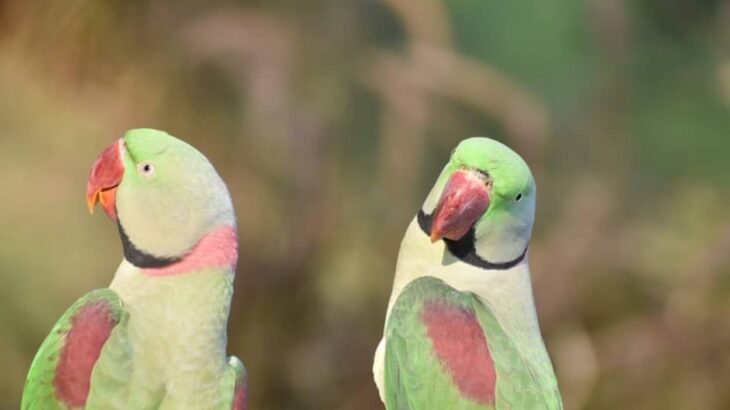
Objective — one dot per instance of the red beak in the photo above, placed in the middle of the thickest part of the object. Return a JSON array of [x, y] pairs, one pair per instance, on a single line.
[[106, 174], [464, 200]]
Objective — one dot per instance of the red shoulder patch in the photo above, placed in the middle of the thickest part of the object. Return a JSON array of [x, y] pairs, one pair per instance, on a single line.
[[460, 345], [240, 396], [90, 328]]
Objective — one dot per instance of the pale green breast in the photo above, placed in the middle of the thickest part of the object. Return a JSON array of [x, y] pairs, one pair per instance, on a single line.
[[177, 332]]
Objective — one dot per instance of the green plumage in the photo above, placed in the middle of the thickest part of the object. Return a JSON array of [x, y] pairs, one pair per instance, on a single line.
[[235, 378], [462, 282], [112, 372], [39, 392], [416, 379], [156, 338]]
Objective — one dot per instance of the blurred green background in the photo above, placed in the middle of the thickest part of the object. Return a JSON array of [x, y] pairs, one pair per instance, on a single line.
[[330, 120]]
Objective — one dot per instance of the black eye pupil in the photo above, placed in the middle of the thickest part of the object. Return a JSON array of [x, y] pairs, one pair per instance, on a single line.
[[518, 197], [146, 168]]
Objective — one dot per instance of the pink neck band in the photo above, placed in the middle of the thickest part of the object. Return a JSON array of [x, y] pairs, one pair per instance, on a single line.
[[218, 249]]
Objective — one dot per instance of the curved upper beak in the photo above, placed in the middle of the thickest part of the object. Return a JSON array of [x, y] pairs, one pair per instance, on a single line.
[[464, 200], [105, 176]]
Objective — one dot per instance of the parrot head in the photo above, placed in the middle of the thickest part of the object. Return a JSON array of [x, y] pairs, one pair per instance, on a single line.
[[486, 195], [163, 194]]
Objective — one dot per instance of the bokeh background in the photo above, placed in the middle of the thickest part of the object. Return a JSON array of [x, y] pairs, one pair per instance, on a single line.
[[330, 120]]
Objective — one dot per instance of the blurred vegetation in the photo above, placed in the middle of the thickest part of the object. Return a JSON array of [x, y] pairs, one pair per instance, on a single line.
[[329, 120]]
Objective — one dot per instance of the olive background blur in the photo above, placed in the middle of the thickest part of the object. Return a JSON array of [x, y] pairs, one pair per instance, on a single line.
[[330, 120]]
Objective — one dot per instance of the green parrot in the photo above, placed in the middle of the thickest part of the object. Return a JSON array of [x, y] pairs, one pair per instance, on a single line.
[[156, 337], [461, 329]]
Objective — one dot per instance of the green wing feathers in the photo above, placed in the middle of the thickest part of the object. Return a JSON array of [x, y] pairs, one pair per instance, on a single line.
[[236, 382], [446, 350], [60, 374]]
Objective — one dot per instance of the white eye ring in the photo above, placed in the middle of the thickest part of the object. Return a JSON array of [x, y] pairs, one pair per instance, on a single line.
[[146, 169]]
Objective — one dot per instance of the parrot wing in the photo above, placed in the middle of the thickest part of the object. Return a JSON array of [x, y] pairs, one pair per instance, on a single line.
[[445, 349], [235, 385], [65, 366]]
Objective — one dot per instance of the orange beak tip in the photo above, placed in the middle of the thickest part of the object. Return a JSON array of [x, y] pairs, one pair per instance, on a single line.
[[106, 174], [91, 203]]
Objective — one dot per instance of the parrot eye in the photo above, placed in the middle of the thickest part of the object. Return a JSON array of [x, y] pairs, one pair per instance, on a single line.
[[146, 169], [518, 198]]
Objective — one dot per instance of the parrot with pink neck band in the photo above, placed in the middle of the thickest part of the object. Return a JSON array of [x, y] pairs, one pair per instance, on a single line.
[[156, 337], [461, 332]]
